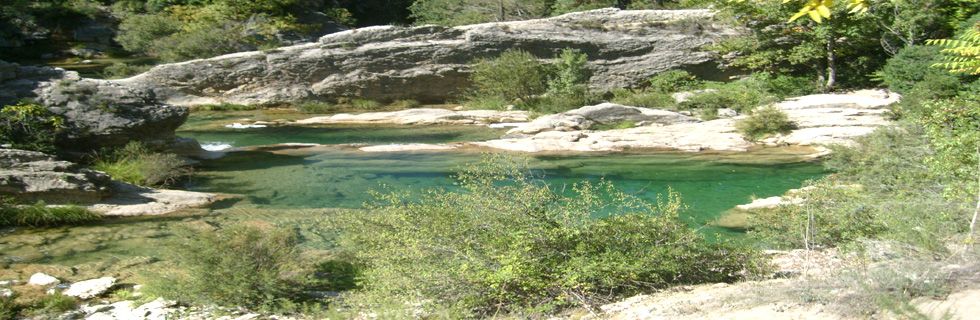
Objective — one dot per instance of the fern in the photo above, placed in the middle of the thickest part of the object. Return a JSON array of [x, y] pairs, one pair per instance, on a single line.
[[960, 55]]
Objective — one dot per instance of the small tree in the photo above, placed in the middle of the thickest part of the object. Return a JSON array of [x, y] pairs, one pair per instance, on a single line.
[[29, 126], [514, 75]]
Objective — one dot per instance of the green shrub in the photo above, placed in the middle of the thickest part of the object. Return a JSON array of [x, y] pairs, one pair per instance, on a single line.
[[316, 107], [224, 106], [52, 306], [8, 308], [784, 86], [485, 103], [953, 129], [30, 126], [506, 242], [514, 75], [882, 189], [652, 100], [365, 104], [41, 215], [673, 81], [122, 70], [912, 66], [135, 163], [559, 103], [764, 121], [138, 32], [570, 76], [251, 266], [741, 96], [405, 104]]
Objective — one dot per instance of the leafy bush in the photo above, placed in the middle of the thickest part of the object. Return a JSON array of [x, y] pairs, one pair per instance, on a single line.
[[29, 126], [135, 163], [52, 305], [405, 104], [909, 67], [882, 189], [953, 129], [514, 75], [122, 70], [245, 265], [764, 121], [504, 241], [673, 81], [40, 215], [224, 106], [365, 104], [316, 107], [8, 308], [137, 33], [741, 96], [652, 100], [570, 76]]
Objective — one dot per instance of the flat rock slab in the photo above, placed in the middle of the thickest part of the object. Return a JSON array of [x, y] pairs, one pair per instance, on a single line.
[[423, 116], [409, 147], [130, 200], [89, 289]]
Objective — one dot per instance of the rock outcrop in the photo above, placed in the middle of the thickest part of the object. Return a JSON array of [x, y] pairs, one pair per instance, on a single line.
[[430, 63], [822, 120], [131, 200], [33, 175], [97, 113], [585, 118], [89, 289]]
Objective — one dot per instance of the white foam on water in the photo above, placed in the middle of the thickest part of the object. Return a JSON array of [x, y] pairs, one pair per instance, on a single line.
[[216, 146]]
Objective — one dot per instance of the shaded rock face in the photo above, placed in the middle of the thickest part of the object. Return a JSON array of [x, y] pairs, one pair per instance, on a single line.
[[37, 176], [431, 63], [97, 113]]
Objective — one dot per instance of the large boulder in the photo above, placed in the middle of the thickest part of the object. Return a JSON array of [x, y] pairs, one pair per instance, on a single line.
[[37, 176], [585, 118], [431, 63], [97, 113]]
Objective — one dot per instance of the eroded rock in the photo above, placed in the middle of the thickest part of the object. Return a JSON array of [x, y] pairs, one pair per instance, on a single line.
[[585, 118], [31, 175], [42, 280], [431, 63], [422, 116]]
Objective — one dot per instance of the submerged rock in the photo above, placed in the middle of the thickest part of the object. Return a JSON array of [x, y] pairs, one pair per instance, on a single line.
[[432, 63], [31, 175]]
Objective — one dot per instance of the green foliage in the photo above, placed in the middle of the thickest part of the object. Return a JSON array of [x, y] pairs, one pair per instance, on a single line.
[[673, 81], [365, 104], [316, 107], [506, 242], [137, 164], [405, 104], [742, 96], [644, 99], [138, 33], [910, 67], [514, 75], [953, 128], [41, 215], [52, 305], [29, 126], [882, 189], [251, 266], [224, 106], [962, 54], [571, 75], [764, 121], [8, 308], [460, 12], [122, 70]]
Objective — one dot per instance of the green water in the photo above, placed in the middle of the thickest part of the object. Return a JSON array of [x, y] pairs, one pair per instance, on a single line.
[[286, 185]]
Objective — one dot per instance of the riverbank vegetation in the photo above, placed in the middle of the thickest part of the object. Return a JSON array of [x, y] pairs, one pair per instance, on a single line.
[[137, 164], [40, 214]]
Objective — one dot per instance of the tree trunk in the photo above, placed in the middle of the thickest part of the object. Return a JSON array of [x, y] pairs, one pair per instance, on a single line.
[[831, 64], [976, 211], [502, 13], [623, 4]]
